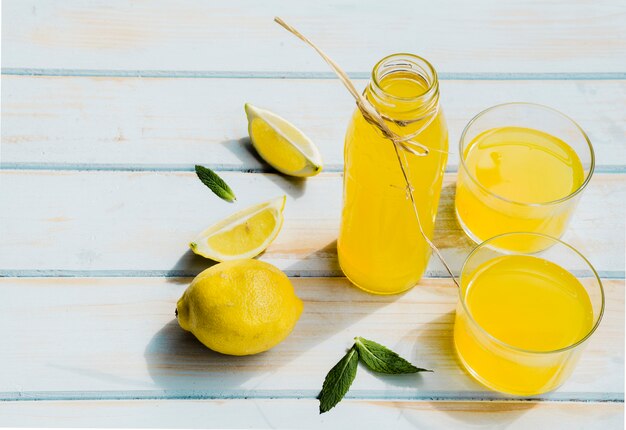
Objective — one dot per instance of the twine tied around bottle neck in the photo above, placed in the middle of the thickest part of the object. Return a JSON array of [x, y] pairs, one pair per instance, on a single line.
[[369, 112], [378, 120]]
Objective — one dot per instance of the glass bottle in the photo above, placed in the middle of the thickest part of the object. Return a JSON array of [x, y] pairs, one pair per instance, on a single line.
[[380, 247]]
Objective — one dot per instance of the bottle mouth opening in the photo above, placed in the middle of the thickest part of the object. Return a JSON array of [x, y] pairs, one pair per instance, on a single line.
[[409, 63]]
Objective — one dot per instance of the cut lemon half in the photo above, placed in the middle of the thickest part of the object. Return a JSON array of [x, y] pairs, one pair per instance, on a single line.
[[281, 144], [244, 234]]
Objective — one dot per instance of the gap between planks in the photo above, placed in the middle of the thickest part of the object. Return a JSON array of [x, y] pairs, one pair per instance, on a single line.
[[95, 167], [485, 76], [173, 274], [374, 395]]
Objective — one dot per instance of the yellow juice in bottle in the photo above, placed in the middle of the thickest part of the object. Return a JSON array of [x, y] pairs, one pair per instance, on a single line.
[[513, 180], [380, 247], [525, 303]]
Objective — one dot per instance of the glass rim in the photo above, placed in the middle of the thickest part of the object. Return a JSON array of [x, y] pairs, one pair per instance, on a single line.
[[571, 195], [515, 348], [433, 81]]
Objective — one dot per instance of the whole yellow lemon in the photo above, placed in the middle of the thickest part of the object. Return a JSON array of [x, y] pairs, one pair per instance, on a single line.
[[240, 307]]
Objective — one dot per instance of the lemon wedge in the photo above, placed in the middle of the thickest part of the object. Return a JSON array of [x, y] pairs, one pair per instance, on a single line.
[[281, 144], [244, 234]]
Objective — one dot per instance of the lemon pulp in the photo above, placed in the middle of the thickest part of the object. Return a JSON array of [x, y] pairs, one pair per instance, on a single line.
[[244, 234], [272, 146], [281, 144], [251, 233]]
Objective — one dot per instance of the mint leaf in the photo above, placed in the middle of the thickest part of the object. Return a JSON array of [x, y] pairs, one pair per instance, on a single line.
[[383, 360], [338, 381], [215, 183]]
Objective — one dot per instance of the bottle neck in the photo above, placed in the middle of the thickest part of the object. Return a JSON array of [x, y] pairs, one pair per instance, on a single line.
[[404, 87]]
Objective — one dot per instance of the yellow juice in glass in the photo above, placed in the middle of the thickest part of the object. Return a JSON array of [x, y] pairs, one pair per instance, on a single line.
[[380, 247], [520, 317], [515, 178]]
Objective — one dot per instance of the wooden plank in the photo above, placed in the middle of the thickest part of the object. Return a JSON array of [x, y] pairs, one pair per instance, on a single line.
[[303, 414], [176, 123], [111, 222], [477, 36], [111, 338]]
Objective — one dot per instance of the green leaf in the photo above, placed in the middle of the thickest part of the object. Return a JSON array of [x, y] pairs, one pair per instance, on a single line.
[[338, 381], [383, 360], [215, 183]]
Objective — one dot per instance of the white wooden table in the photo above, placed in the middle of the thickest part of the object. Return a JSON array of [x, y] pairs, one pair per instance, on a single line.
[[106, 106]]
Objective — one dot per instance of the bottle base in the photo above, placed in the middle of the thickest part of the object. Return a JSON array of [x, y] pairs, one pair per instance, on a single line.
[[376, 292]]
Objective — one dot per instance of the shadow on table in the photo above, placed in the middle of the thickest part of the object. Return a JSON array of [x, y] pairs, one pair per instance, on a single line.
[[177, 361], [449, 237], [479, 414], [242, 148], [437, 335], [188, 265]]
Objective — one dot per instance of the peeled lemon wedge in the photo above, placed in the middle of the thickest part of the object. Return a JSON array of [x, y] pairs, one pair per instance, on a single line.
[[281, 144], [244, 234]]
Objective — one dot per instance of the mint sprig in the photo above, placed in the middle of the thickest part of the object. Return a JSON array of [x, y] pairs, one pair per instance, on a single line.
[[383, 360], [338, 381], [215, 183], [375, 356]]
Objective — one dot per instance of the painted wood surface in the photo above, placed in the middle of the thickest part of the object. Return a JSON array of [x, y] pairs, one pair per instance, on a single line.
[[478, 36], [259, 413], [133, 123], [96, 183], [111, 338], [140, 223]]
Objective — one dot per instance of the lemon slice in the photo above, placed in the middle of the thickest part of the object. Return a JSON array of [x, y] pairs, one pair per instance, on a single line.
[[281, 144], [244, 234]]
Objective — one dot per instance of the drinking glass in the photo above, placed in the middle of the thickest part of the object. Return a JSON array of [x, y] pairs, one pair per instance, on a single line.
[[484, 214], [510, 369]]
